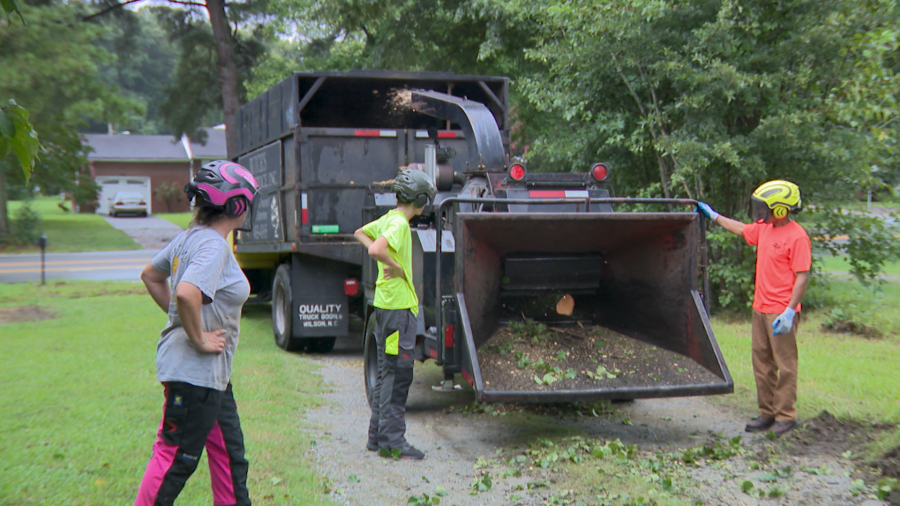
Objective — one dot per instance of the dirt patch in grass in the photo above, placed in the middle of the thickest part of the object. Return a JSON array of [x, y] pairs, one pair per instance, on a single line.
[[852, 327], [529, 356], [828, 435], [16, 314], [889, 463]]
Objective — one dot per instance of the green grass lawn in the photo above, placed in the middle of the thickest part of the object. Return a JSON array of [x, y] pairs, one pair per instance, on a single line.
[[180, 219], [831, 263], [67, 232], [848, 375], [82, 404]]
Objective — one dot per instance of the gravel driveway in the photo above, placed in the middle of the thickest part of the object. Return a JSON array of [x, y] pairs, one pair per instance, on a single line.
[[453, 444], [150, 232]]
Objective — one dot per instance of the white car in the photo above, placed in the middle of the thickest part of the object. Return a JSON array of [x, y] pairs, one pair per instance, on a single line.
[[127, 203]]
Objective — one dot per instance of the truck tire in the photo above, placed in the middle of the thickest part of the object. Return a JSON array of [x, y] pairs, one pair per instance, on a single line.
[[370, 358], [282, 310], [320, 344]]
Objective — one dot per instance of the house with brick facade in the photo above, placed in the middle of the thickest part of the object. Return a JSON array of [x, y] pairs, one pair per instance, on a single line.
[[147, 163]]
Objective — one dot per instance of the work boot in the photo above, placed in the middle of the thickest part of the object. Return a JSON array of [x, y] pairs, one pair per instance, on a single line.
[[407, 452], [759, 424], [781, 427], [372, 446]]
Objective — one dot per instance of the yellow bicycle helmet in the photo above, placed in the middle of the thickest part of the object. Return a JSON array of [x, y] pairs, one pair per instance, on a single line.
[[780, 196]]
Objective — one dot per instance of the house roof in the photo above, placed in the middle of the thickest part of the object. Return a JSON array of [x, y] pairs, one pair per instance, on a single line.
[[215, 147], [157, 148]]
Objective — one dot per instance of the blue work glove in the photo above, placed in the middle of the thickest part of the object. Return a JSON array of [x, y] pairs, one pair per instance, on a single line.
[[704, 208], [785, 322]]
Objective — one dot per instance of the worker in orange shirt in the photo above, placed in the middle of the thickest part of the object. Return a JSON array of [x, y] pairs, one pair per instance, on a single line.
[[783, 258]]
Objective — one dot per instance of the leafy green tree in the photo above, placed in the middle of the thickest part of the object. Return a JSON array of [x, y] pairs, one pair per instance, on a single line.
[[17, 134], [705, 100], [50, 67], [143, 67], [194, 96], [480, 37], [11, 7], [226, 63]]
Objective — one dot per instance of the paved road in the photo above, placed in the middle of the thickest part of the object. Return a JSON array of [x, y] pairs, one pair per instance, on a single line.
[[94, 266], [152, 233]]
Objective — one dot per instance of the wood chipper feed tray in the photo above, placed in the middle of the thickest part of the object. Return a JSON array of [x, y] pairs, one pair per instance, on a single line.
[[529, 356]]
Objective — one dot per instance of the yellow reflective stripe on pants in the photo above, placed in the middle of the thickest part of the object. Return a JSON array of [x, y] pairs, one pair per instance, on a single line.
[[392, 344]]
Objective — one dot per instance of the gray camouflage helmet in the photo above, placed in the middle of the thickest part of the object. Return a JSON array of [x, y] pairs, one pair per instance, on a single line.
[[414, 186]]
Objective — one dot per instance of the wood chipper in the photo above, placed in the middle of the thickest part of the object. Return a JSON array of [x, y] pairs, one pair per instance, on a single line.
[[533, 287], [548, 251]]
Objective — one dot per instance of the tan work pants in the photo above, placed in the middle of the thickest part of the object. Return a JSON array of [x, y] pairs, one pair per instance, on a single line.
[[775, 368]]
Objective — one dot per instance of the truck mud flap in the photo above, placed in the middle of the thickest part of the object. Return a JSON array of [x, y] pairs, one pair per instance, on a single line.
[[645, 289]]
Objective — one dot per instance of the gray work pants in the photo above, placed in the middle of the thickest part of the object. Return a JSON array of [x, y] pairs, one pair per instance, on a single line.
[[395, 337]]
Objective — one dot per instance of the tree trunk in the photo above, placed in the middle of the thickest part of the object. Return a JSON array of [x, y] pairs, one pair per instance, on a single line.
[[4, 213], [663, 171], [228, 74]]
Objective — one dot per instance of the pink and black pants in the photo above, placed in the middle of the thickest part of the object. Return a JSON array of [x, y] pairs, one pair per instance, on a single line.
[[194, 417]]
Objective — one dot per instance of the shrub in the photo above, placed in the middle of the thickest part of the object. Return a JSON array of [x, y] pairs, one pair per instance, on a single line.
[[868, 242], [85, 194], [170, 193], [25, 227], [732, 264]]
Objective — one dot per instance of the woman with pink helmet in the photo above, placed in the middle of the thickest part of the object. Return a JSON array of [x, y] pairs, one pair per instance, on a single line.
[[197, 282]]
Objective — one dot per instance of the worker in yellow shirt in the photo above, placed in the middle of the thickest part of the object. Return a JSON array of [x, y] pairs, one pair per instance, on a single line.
[[388, 240]]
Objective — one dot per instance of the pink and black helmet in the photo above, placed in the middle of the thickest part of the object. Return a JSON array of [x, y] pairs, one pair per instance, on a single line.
[[223, 184]]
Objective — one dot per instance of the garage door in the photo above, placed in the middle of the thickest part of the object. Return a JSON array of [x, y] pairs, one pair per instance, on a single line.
[[109, 185]]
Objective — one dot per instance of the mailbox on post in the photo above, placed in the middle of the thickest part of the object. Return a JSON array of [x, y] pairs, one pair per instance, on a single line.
[[42, 243]]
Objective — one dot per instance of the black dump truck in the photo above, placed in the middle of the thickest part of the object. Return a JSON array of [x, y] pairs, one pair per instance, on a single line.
[[507, 263]]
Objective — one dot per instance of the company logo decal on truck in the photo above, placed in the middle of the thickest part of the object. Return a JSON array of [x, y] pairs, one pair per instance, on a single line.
[[320, 315], [259, 166]]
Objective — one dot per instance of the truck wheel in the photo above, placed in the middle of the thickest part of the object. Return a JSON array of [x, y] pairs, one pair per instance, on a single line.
[[320, 344], [282, 309], [370, 358]]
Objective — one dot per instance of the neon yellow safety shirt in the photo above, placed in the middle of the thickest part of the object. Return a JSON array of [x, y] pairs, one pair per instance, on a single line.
[[394, 293]]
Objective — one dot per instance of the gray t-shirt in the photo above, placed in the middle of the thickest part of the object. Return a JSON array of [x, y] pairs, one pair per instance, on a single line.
[[201, 257]]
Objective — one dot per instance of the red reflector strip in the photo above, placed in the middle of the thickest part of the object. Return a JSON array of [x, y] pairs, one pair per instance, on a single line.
[[304, 214], [444, 134], [547, 194], [374, 133], [448, 336], [467, 377]]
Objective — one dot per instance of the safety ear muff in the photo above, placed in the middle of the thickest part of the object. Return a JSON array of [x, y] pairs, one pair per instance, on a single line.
[[780, 212], [190, 190], [236, 206], [421, 200]]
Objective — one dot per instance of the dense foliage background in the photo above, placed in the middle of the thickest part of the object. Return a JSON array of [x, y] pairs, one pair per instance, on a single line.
[[703, 99]]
